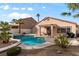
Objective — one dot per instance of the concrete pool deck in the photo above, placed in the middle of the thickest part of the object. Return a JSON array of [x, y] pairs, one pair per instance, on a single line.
[[49, 42]]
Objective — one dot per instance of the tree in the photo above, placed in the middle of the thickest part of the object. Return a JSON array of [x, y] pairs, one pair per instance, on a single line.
[[73, 10], [38, 15], [19, 21], [14, 20], [4, 35]]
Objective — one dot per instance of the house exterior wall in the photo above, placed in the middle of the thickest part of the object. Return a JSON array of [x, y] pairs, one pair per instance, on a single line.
[[16, 31], [43, 30], [58, 23], [25, 27], [28, 23]]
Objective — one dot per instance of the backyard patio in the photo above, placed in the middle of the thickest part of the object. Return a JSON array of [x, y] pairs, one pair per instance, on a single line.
[[52, 50]]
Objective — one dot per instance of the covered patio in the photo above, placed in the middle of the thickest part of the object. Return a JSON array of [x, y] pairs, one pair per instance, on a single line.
[[48, 29]]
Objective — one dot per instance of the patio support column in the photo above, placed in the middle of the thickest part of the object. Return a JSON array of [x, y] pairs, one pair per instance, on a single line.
[[51, 30], [40, 30]]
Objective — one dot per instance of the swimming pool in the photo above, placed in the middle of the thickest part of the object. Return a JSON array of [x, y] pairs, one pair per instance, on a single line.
[[30, 40]]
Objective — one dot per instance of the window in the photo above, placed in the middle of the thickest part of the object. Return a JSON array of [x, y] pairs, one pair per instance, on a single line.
[[68, 29], [63, 29]]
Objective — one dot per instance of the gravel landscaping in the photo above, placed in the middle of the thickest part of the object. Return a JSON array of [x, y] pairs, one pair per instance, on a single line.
[[7, 44], [49, 51], [52, 51]]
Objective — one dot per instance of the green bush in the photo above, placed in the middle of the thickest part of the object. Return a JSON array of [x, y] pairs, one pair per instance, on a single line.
[[62, 41], [4, 32], [71, 35], [14, 51]]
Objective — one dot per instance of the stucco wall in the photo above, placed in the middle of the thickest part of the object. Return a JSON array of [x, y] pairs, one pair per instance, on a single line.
[[43, 30], [16, 31], [58, 23], [28, 23]]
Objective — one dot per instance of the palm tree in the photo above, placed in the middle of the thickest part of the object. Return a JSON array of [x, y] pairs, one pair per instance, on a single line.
[[38, 15], [19, 21], [4, 35], [73, 7], [14, 20]]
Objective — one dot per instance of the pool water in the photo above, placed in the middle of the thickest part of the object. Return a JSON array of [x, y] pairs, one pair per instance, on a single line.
[[30, 40]]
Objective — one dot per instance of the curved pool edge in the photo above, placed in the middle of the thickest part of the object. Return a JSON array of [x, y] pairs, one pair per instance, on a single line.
[[27, 47], [30, 40], [39, 46], [10, 46]]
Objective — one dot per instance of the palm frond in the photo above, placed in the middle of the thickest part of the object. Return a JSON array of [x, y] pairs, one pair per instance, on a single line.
[[73, 6], [76, 15], [14, 20], [66, 14]]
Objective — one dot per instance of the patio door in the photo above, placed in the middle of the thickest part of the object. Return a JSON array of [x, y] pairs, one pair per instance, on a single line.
[[48, 30]]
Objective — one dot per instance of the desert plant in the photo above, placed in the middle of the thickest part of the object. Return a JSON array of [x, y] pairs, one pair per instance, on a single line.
[[62, 41], [4, 35], [14, 51]]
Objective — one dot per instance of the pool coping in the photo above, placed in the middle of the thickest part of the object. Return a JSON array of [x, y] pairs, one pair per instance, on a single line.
[[49, 42], [46, 44], [40, 46]]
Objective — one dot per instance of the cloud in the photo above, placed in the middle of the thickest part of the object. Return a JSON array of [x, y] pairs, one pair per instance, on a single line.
[[23, 8], [43, 7], [17, 15], [30, 9], [6, 7], [15, 8]]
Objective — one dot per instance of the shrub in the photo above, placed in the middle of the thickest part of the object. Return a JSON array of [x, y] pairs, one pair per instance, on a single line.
[[70, 35], [4, 32], [14, 51], [62, 41]]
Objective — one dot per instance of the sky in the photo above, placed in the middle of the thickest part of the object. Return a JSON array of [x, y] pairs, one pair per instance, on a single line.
[[9, 11]]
